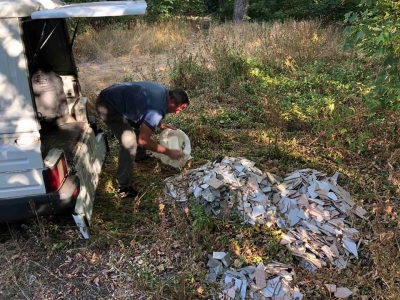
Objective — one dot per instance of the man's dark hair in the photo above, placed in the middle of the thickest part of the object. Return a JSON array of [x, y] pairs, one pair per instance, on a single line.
[[179, 96]]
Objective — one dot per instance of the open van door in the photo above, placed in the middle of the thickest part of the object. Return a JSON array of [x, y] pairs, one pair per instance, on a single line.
[[51, 153], [47, 168], [90, 155], [93, 9]]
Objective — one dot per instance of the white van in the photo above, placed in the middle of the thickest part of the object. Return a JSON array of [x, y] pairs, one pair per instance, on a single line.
[[51, 153]]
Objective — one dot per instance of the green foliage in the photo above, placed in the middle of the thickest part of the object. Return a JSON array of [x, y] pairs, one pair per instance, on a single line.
[[187, 72], [376, 32], [229, 65], [165, 9], [308, 96], [358, 144], [259, 10], [268, 10], [127, 77], [200, 218]]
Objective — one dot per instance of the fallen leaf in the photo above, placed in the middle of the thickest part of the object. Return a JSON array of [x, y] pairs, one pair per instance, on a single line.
[[94, 258]]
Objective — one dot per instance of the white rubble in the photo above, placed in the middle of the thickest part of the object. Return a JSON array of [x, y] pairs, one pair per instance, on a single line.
[[307, 204]]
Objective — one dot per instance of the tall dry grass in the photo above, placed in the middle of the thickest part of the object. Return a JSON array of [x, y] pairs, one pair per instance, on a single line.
[[142, 38], [277, 42], [270, 42], [228, 54]]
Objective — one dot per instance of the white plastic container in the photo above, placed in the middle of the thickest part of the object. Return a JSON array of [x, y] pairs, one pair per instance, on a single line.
[[177, 140]]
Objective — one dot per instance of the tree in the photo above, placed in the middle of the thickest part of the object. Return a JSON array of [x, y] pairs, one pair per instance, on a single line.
[[376, 32], [240, 8]]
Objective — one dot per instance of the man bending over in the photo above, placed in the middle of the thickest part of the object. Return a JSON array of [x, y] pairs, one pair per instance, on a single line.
[[132, 111]]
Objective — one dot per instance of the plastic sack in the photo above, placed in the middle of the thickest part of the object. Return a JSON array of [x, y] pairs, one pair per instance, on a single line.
[[178, 140], [50, 99]]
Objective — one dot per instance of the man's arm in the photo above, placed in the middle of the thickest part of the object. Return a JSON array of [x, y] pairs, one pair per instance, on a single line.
[[146, 141], [165, 126]]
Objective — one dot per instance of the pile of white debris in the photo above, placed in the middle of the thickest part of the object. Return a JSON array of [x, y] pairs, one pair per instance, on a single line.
[[254, 282], [307, 204]]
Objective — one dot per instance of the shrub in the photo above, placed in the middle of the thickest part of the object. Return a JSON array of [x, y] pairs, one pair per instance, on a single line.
[[376, 32]]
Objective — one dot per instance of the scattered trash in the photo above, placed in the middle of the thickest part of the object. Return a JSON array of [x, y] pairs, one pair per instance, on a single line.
[[343, 292], [330, 287], [340, 292], [310, 207], [315, 208], [262, 282], [32, 279]]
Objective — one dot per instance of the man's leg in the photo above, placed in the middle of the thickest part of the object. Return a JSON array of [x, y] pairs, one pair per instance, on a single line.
[[126, 138], [127, 150], [141, 151]]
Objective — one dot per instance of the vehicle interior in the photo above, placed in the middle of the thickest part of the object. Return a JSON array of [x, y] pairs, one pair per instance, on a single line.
[[54, 84]]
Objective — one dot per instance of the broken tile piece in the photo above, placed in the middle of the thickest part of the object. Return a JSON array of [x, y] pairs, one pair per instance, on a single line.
[[227, 260], [239, 168], [258, 210], [297, 295], [312, 227], [215, 183], [292, 176], [253, 183], [293, 216], [332, 196], [266, 189], [208, 195], [239, 284], [350, 246], [218, 255], [341, 263], [311, 191], [359, 211], [287, 238], [260, 277], [273, 287], [197, 192], [330, 287], [343, 292], [302, 214]]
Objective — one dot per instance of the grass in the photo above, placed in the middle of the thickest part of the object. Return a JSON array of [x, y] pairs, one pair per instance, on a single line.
[[282, 95]]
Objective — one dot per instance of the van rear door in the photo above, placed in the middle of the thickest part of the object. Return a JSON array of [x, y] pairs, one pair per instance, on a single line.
[[90, 154], [93, 9]]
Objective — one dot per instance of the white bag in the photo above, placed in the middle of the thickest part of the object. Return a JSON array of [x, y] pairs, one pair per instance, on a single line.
[[177, 140]]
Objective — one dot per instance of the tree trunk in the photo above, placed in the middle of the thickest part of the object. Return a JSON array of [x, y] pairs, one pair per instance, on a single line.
[[240, 9]]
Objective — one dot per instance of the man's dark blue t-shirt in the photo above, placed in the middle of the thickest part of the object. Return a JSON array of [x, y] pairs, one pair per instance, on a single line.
[[139, 102]]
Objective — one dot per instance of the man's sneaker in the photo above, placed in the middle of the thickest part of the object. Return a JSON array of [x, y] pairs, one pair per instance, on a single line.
[[127, 192]]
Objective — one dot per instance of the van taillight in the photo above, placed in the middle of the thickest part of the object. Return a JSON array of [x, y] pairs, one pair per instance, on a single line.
[[54, 175]]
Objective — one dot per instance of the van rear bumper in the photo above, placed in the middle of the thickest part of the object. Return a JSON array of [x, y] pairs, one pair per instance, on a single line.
[[26, 207]]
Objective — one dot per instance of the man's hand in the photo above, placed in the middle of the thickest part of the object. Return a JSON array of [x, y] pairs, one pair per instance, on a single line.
[[166, 126], [174, 154], [146, 141]]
